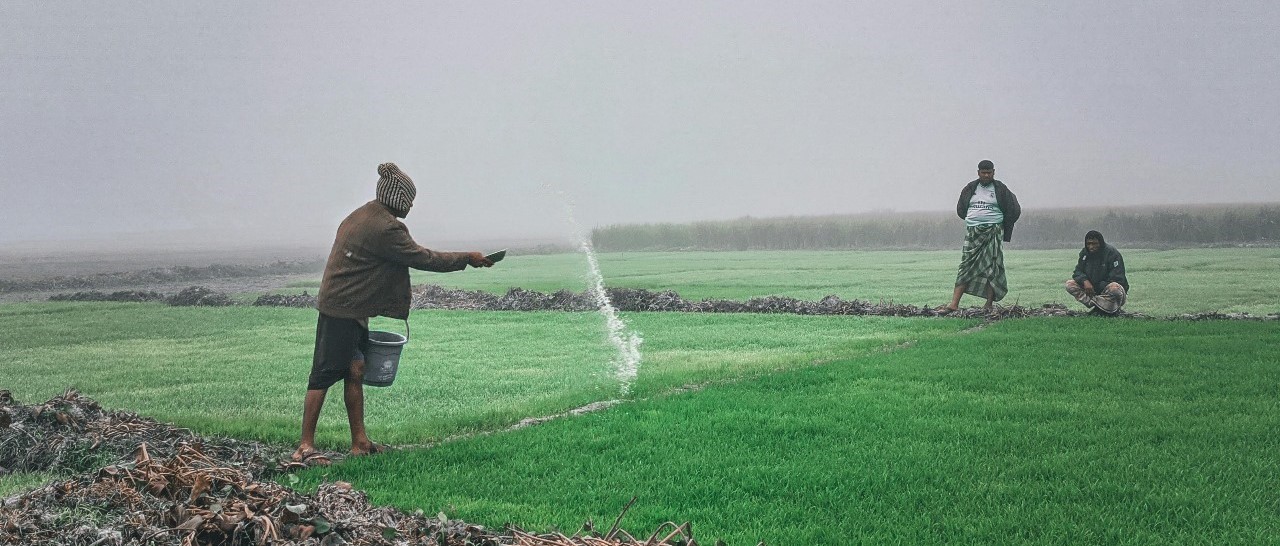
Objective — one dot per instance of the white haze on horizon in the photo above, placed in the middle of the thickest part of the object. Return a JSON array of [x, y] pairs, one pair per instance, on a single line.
[[157, 123]]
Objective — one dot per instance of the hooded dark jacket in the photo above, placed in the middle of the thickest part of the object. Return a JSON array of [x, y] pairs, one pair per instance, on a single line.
[[1005, 199], [367, 273], [1100, 268]]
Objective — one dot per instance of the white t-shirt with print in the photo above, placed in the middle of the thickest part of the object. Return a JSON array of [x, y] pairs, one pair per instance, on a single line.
[[983, 208]]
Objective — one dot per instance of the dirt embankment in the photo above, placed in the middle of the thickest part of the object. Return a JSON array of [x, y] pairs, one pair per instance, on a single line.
[[148, 280], [216, 277], [431, 296]]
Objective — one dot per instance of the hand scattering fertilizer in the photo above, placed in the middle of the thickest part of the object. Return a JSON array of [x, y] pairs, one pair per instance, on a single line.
[[382, 360]]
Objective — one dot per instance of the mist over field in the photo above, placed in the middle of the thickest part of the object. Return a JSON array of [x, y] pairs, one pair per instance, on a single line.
[[768, 336], [172, 127]]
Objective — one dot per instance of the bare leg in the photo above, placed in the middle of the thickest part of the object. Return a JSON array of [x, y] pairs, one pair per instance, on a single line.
[[310, 416], [955, 297], [991, 299], [353, 396]]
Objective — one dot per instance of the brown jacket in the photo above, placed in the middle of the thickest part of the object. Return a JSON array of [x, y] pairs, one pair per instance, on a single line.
[[368, 269]]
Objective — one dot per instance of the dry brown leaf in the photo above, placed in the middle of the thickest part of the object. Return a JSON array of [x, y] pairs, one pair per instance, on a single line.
[[156, 484], [192, 523], [200, 487]]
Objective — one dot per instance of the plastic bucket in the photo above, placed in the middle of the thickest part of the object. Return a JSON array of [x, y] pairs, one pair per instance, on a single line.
[[382, 360]]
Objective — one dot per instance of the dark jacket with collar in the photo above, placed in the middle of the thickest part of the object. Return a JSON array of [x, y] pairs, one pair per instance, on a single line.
[[1005, 199], [367, 273], [1101, 268]]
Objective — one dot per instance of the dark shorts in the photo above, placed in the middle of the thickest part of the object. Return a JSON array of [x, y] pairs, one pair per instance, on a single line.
[[338, 342]]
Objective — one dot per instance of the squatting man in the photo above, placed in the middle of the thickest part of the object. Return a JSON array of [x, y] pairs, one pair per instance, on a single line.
[[1099, 281]]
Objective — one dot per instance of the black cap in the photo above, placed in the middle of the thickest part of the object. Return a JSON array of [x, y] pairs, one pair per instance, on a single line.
[[986, 165]]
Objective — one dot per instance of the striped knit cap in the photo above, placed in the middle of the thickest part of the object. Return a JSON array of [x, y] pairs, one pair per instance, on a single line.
[[395, 189]]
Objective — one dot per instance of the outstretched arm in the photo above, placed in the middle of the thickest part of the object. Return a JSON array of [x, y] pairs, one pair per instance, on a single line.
[[399, 247]]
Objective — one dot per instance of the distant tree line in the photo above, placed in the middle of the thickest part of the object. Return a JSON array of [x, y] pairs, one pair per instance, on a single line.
[[1150, 227]]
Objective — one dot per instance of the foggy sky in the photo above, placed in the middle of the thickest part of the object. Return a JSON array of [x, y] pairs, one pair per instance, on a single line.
[[264, 122]]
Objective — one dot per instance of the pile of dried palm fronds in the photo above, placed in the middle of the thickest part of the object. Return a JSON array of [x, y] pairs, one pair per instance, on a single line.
[[199, 295], [302, 300], [1214, 315], [191, 498], [119, 295], [431, 296], [73, 433], [639, 299], [159, 275], [191, 296]]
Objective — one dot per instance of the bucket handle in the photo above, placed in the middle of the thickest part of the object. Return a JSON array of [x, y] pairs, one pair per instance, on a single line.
[[406, 330]]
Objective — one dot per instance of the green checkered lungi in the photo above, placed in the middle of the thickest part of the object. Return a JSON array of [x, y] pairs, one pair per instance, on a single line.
[[982, 265]]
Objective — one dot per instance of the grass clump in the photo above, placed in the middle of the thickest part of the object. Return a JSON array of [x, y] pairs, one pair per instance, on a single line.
[[21, 482]]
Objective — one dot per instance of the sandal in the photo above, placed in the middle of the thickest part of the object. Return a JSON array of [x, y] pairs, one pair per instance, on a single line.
[[317, 459], [374, 449], [311, 457]]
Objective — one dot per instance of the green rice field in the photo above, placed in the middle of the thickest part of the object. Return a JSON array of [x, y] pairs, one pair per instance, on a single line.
[[1162, 282], [778, 428], [1152, 433]]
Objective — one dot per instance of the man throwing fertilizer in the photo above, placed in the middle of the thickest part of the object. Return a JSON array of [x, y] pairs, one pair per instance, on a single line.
[[367, 275]]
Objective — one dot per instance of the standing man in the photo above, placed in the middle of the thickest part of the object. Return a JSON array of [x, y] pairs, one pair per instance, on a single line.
[[989, 211], [367, 275], [1099, 281]]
